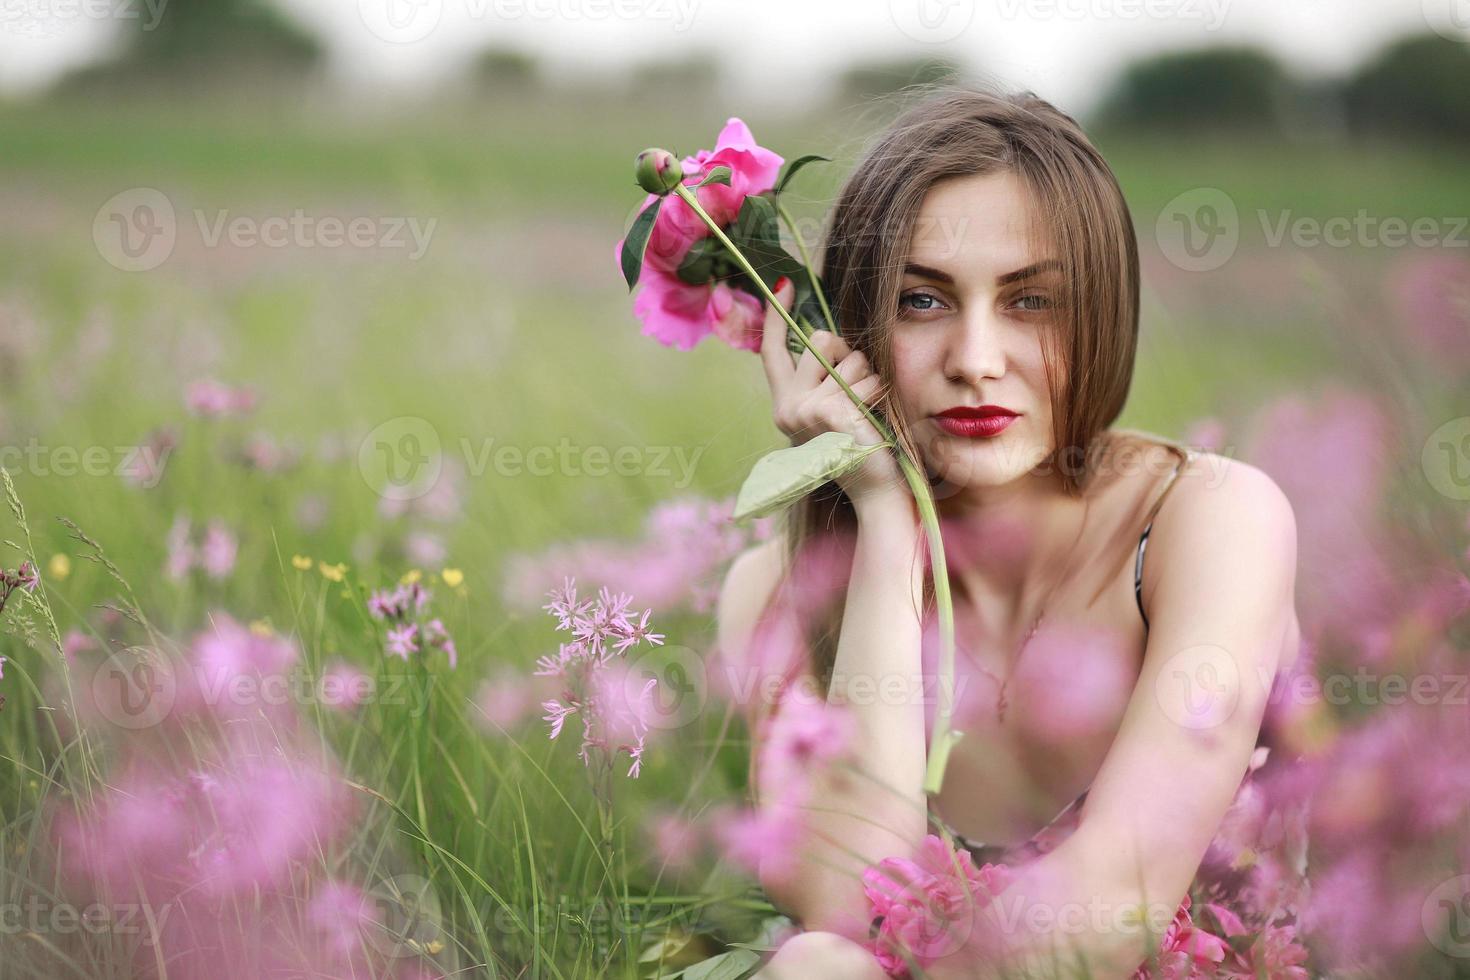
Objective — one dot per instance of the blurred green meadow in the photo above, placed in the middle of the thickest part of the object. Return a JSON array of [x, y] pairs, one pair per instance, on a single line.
[[512, 329]]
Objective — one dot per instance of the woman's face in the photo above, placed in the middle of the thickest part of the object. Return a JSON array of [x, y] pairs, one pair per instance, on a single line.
[[974, 305]]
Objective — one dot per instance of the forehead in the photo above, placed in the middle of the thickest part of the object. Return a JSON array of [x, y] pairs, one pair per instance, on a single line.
[[974, 222]]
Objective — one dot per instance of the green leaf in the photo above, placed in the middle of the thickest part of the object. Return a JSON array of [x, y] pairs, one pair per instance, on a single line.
[[665, 948], [726, 966], [781, 478], [757, 233], [719, 175], [769, 939], [637, 242], [699, 263], [789, 171]]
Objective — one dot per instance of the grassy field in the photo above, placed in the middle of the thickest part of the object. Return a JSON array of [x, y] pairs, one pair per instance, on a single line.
[[511, 330]]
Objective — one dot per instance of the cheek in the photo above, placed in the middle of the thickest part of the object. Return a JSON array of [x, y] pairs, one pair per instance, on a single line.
[[914, 367]]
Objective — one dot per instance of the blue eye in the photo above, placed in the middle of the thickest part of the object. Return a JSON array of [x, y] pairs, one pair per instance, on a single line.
[[918, 296], [1034, 301]]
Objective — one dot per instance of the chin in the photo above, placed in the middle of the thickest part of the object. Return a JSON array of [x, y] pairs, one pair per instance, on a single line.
[[981, 466], [979, 462]]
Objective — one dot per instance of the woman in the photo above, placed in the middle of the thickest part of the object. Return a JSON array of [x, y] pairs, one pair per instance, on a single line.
[[983, 267]]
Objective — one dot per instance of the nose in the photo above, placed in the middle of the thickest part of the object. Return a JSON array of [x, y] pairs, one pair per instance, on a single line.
[[976, 348]]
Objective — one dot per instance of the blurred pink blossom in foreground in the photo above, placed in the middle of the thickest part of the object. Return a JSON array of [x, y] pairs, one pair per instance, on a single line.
[[222, 832], [677, 564]]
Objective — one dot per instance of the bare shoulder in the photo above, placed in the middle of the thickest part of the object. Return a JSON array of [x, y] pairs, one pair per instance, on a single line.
[[1230, 495], [748, 586], [1227, 539]]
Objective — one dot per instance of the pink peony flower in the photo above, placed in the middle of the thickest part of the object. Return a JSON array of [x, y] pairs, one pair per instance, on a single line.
[[1187, 951], [681, 314], [926, 905]]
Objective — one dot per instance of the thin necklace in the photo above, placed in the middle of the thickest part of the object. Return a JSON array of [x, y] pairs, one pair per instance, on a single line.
[[1001, 701]]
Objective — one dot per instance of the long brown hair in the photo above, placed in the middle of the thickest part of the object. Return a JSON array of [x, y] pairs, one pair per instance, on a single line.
[[1081, 218]]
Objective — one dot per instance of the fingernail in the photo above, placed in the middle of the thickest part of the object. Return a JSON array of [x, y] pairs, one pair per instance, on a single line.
[[781, 284]]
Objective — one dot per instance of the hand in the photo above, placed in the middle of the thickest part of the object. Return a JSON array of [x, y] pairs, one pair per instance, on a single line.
[[807, 401]]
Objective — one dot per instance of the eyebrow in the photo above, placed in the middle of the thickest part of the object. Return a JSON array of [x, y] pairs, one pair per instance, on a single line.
[[938, 275]]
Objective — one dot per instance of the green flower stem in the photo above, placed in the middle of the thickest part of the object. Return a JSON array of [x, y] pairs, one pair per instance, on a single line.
[[943, 737], [806, 259]]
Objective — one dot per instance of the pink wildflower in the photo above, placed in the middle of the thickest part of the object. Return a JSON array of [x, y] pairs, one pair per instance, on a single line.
[[615, 707], [403, 640], [209, 398], [679, 313]]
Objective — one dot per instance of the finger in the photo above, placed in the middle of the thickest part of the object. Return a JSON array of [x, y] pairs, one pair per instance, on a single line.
[[775, 358], [809, 371], [868, 388], [840, 414], [851, 368]]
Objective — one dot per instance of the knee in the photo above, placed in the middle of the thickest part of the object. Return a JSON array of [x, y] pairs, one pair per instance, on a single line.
[[815, 955]]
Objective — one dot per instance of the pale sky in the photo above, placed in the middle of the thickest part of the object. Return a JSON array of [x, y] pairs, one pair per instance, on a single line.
[[1066, 50]]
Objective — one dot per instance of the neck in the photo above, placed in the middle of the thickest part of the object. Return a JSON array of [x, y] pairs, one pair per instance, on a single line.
[[1008, 546]]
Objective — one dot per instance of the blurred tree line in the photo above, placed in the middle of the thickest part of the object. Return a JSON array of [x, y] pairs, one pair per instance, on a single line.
[[1416, 86], [201, 39]]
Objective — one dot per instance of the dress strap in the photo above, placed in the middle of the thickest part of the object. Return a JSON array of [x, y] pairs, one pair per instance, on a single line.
[[1185, 454], [1044, 840]]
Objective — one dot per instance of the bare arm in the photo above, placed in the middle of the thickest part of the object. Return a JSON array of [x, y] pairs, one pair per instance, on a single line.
[[858, 813], [874, 806], [1221, 608]]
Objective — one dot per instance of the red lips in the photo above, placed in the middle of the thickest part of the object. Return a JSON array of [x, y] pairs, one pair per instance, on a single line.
[[983, 412], [982, 422]]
